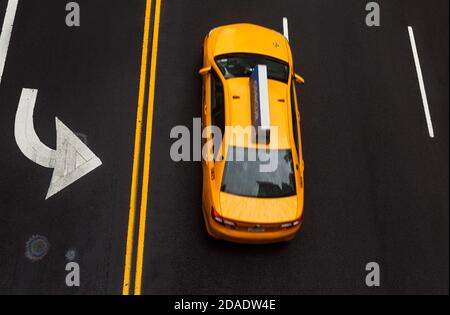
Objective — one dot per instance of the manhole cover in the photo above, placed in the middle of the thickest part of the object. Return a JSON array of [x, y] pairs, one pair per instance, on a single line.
[[37, 247]]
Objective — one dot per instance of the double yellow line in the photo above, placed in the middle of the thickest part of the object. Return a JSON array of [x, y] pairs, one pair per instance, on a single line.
[[137, 154]]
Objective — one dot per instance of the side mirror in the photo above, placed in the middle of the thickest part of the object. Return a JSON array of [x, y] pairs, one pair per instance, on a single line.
[[299, 79], [204, 71]]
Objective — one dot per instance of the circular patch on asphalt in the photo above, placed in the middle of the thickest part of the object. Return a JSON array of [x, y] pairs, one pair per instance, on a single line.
[[37, 247], [71, 254]]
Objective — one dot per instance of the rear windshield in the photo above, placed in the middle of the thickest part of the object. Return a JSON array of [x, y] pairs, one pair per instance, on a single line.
[[242, 65], [244, 178]]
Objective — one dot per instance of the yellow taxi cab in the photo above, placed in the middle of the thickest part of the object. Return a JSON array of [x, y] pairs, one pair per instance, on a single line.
[[252, 177]]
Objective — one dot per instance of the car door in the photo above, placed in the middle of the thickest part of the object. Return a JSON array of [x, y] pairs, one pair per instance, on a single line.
[[296, 130], [213, 114]]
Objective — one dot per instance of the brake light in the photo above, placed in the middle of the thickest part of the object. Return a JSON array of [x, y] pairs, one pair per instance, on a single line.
[[292, 224], [216, 216], [219, 219], [228, 222]]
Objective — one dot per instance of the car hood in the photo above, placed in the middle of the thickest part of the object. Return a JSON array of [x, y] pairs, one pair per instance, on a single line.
[[249, 38], [259, 210]]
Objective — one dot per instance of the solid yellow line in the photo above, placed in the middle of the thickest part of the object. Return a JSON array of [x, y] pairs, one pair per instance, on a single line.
[[137, 150], [147, 152]]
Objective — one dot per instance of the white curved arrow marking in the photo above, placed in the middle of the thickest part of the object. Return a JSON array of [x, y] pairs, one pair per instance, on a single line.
[[72, 158]]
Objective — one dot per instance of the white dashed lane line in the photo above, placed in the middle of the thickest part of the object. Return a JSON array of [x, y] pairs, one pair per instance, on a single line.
[[286, 28], [5, 34], [421, 82]]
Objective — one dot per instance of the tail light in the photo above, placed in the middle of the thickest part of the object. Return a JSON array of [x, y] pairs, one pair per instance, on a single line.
[[219, 219], [292, 224], [216, 216], [229, 223]]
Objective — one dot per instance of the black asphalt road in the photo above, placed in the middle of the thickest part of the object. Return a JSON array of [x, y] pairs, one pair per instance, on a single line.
[[376, 184], [88, 77]]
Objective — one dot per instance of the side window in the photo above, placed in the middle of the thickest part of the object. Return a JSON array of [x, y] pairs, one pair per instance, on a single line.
[[294, 118], [217, 103]]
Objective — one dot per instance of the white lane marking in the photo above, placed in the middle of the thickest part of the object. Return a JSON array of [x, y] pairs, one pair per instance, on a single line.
[[72, 158], [421, 83], [286, 28], [6, 31], [26, 137]]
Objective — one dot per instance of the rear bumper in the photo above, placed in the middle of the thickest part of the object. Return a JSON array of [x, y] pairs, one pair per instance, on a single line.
[[222, 232]]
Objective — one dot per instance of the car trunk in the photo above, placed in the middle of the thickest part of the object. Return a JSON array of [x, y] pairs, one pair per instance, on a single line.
[[258, 210]]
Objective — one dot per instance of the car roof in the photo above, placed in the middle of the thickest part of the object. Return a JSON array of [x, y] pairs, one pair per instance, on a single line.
[[239, 114]]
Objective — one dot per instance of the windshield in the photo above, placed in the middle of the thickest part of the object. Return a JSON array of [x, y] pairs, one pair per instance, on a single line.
[[242, 65], [243, 176]]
